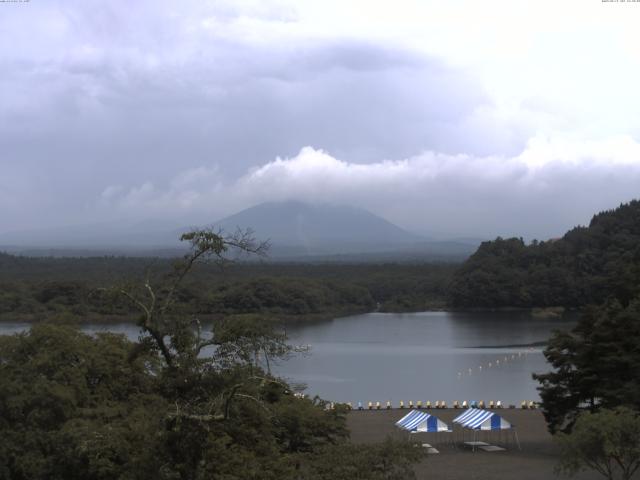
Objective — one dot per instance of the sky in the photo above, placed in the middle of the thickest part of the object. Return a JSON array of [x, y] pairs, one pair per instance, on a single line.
[[457, 118]]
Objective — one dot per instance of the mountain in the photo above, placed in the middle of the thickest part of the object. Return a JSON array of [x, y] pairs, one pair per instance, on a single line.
[[300, 228], [297, 232]]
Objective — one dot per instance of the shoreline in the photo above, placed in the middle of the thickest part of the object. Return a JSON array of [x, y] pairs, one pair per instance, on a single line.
[[536, 460], [288, 319]]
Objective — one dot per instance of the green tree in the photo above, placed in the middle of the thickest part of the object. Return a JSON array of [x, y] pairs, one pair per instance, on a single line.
[[607, 441], [178, 404], [390, 460], [595, 365]]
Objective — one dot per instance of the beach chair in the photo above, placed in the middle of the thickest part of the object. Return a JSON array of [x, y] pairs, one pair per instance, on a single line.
[[419, 404], [377, 405], [388, 405], [456, 404], [437, 405], [443, 404], [465, 404], [491, 404], [360, 406], [523, 405], [349, 406], [498, 404], [532, 405], [401, 404], [428, 405], [473, 404], [481, 404], [410, 403]]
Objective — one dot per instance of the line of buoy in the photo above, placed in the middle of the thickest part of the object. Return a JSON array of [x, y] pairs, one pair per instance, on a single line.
[[496, 363], [439, 404]]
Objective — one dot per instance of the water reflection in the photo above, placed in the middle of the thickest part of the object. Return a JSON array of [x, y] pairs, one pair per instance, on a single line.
[[415, 356], [423, 356]]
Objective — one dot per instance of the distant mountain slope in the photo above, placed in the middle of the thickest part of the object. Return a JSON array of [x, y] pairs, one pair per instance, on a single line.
[[587, 265], [303, 228], [297, 232]]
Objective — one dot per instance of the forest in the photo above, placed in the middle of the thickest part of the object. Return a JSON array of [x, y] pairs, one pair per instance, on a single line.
[[77, 406], [586, 266], [69, 289]]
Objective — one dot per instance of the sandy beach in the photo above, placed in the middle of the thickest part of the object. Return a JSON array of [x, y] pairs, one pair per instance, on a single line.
[[536, 460]]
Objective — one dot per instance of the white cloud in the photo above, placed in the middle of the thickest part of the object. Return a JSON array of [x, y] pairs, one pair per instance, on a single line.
[[551, 186], [129, 93]]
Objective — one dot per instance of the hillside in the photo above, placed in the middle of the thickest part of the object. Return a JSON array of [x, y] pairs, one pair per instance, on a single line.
[[297, 232], [585, 266], [319, 229]]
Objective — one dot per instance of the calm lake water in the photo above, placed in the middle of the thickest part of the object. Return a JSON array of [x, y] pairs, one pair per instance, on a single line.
[[423, 356], [414, 356]]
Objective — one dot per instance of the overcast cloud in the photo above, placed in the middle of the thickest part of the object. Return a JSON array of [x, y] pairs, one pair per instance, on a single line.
[[446, 119]]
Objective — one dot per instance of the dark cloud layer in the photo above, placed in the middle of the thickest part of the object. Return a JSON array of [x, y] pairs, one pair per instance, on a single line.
[[114, 110]]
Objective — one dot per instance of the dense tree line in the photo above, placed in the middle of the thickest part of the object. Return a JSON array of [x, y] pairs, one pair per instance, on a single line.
[[35, 289], [595, 365], [586, 266]]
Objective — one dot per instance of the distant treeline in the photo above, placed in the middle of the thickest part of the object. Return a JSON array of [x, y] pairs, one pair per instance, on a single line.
[[586, 266], [34, 289]]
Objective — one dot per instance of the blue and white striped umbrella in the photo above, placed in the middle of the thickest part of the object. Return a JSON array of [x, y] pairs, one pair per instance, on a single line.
[[477, 419], [416, 421]]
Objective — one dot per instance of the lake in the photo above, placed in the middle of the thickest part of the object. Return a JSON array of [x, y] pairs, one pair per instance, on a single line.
[[411, 356], [423, 356]]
